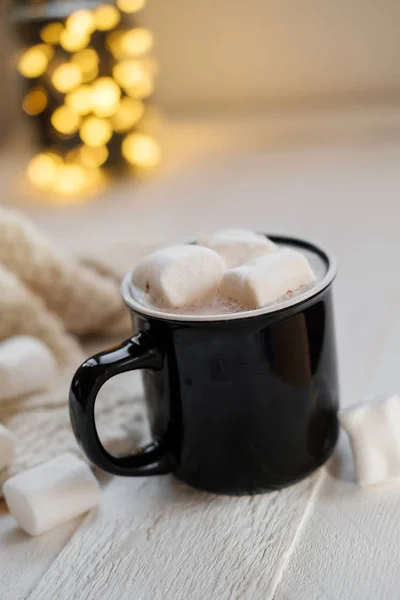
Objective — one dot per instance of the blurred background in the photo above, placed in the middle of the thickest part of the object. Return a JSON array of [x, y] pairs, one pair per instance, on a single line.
[[136, 118], [91, 88], [273, 54]]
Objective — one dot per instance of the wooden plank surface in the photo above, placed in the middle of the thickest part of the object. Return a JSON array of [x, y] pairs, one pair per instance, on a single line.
[[23, 559], [350, 547], [158, 539]]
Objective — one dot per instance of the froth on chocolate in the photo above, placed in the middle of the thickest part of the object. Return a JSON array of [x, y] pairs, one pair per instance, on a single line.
[[214, 305]]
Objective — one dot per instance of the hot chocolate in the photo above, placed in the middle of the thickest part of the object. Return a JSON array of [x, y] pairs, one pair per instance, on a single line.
[[196, 280]]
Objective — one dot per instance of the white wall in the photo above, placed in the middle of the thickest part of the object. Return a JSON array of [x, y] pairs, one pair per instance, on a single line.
[[215, 53]]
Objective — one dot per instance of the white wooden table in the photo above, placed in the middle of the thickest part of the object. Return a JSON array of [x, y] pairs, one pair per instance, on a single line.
[[335, 179]]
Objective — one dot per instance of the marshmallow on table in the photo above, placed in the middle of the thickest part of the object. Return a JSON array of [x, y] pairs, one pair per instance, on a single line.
[[179, 275], [26, 366], [51, 493], [238, 246], [266, 279], [7, 447], [374, 432]]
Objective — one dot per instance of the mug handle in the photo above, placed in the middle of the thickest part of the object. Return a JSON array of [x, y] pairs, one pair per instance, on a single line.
[[134, 353]]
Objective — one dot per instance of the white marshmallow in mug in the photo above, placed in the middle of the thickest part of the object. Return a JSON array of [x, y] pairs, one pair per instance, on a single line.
[[179, 275], [26, 366], [7, 447], [266, 279], [238, 246], [51, 493]]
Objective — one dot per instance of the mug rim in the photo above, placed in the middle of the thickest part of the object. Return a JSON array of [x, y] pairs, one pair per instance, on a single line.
[[327, 279]]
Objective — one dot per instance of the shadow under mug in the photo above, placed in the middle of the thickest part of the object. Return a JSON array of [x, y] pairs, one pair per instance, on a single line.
[[240, 404]]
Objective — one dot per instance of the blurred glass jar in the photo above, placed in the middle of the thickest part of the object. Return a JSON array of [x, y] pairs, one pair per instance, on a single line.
[[88, 76]]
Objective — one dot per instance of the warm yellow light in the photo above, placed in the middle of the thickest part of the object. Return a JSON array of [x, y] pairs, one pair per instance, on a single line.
[[90, 75], [113, 43], [129, 112], [87, 61], [141, 150], [143, 89], [150, 65], [114, 38], [151, 121], [131, 6], [80, 100], [65, 120], [129, 73], [51, 33], [70, 179], [95, 178], [34, 60], [41, 170], [72, 42], [55, 157], [136, 42], [66, 77], [35, 101], [93, 157], [95, 131], [106, 17], [73, 156], [130, 44], [48, 50], [105, 97], [81, 22]]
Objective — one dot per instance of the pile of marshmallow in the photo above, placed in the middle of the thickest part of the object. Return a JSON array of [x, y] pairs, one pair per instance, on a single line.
[[26, 366], [60, 489], [241, 266]]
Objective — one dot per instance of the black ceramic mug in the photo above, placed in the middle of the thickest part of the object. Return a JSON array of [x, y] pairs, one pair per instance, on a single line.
[[238, 404]]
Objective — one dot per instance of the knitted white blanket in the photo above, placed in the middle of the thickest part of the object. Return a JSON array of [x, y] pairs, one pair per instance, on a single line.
[[47, 293]]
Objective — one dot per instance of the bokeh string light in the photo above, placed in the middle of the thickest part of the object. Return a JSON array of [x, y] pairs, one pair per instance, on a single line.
[[89, 75]]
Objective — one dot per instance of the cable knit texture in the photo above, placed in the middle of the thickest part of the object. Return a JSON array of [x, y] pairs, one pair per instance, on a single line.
[[47, 293], [83, 299]]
